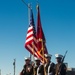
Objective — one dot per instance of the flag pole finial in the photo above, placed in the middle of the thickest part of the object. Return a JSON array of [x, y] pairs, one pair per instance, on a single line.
[[37, 6]]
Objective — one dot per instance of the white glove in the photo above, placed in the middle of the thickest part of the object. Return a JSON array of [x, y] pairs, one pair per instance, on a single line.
[[50, 73]]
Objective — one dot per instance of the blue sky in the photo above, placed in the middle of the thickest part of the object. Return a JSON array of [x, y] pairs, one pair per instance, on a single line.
[[58, 22]]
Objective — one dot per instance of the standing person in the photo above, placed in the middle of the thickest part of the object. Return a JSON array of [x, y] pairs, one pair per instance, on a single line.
[[39, 68], [49, 65], [33, 63], [60, 67], [28, 68]]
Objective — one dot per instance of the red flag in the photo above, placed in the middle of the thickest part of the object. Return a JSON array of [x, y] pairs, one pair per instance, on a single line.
[[40, 38]]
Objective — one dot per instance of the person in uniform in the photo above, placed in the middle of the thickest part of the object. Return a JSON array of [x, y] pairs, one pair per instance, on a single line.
[[49, 65], [39, 68], [28, 68], [60, 67], [33, 63]]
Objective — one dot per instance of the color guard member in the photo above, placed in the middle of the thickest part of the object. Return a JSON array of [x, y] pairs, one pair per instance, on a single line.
[[28, 68], [49, 65], [60, 68]]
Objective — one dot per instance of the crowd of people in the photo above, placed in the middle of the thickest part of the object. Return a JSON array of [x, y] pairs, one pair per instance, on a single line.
[[47, 68]]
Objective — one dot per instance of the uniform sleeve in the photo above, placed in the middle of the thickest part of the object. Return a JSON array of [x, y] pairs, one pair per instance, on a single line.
[[23, 71], [52, 69], [63, 69], [41, 70]]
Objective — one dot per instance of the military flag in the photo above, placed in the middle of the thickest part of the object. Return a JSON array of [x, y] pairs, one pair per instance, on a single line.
[[41, 41]]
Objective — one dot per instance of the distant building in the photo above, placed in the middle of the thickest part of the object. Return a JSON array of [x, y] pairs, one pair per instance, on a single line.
[[70, 71]]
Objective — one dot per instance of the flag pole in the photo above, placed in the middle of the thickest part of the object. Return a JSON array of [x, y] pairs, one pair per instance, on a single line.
[[43, 56], [42, 46], [14, 65], [29, 7], [0, 71]]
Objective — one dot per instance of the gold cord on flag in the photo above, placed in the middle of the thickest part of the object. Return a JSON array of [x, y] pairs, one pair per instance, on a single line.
[[44, 57]]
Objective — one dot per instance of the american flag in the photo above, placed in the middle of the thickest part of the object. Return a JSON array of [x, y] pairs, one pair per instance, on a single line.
[[31, 42]]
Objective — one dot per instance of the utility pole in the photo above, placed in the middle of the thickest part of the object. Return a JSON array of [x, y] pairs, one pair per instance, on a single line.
[[14, 65], [0, 71]]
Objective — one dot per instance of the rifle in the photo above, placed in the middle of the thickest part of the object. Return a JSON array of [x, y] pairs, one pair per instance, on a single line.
[[62, 62], [64, 57]]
